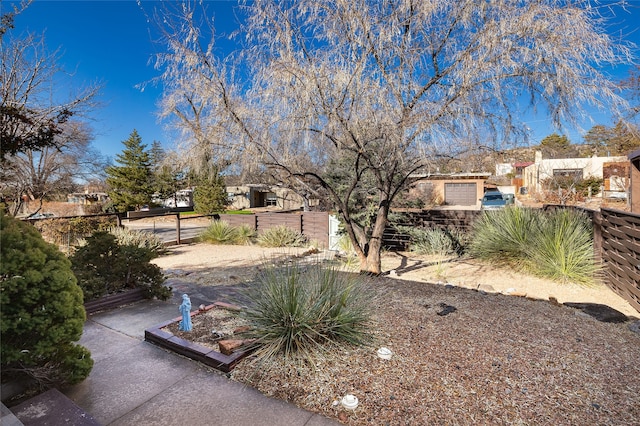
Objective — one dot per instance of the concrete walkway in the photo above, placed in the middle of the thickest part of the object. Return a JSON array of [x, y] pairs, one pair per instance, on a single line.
[[136, 383]]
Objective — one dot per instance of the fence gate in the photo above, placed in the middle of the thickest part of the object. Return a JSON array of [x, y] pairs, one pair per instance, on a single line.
[[334, 229]]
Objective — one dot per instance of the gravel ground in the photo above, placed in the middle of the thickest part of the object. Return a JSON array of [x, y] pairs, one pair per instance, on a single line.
[[495, 359]]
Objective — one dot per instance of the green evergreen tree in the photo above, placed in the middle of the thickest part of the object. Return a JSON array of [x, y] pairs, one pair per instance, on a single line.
[[131, 182], [557, 146], [41, 310], [167, 181], [210, 194]]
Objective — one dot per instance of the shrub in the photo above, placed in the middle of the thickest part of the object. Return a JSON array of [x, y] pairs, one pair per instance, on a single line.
[[67, 231], [434, 241], [220, 232], [41, 310], [563, 250], [132, 237], [281, 236], [103, 267], [503, 235], [296, 310], [556, 245], [245, 234]]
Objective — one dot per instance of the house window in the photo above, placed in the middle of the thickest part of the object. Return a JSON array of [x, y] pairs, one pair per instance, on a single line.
[[574, 173], [271, 200]]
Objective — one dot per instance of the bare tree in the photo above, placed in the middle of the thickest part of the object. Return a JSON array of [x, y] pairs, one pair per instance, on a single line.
[[35, 175], [379, 87], [31, 112]]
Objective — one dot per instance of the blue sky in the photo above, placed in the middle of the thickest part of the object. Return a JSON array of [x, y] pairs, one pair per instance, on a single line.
[[111, 42]]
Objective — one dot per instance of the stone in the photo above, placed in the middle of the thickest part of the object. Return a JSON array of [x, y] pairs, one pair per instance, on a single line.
[[227, 347], [486, 288], [635, 327], [242, 329], [554, 301], [599, 311]]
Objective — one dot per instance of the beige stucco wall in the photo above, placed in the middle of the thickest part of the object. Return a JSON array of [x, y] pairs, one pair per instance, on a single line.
[[543, 169]]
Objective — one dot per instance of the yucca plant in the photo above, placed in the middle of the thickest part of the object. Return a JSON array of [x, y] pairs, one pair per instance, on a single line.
[[345, 246], [281, 236], [141, 239], [219, 232], [563, 249], [245, 234], [297, 310], [505, 234]]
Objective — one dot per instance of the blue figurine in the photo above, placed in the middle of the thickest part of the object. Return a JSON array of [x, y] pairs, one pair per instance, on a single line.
[[185, 310]]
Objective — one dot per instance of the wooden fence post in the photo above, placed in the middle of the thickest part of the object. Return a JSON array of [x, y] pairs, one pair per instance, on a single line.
[[178, 228], [597, 236]]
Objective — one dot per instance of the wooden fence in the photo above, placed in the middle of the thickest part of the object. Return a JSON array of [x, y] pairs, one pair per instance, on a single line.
[[313, 225], [620, 252], [441, 219]]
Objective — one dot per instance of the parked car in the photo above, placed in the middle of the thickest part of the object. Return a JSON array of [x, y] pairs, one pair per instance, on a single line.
[[510, 198], [42, 216], [493, 200]]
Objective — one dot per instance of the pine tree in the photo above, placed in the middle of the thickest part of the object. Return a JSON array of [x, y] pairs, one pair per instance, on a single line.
[[131, 183], [210, 194], [41, 309]]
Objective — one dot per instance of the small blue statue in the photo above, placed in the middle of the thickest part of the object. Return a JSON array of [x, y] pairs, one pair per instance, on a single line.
[[185, 310]]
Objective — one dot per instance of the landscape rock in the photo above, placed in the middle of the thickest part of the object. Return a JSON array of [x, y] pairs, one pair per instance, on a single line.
[[228, 346], [635, 327]]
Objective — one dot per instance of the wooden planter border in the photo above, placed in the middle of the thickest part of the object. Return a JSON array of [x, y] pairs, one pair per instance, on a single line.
[[114, 300], [192, 350]]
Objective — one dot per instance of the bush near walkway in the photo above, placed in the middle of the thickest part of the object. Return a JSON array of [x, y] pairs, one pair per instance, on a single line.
[[104, 267]]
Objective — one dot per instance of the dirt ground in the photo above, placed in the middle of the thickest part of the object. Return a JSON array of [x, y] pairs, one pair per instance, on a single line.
[[210, 264]]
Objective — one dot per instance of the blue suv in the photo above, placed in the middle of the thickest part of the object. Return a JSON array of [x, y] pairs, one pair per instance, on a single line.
[[493, 200]]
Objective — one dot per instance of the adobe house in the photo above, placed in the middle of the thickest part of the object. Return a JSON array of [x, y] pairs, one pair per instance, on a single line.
[[634, 191], [258, 196], [582, 168]]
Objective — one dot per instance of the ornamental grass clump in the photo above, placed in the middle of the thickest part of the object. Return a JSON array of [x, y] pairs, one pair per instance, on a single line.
[[301, 310], [132, 237], [563, 251], [556, 245], [220, 232], [434, 241], [281, 236], [245, 234], [503, 235]]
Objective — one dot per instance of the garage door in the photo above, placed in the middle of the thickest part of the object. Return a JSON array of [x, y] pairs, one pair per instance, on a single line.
[[460, 194]]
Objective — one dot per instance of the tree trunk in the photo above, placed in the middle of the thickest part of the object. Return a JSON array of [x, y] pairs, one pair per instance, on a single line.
[[370, 261]]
